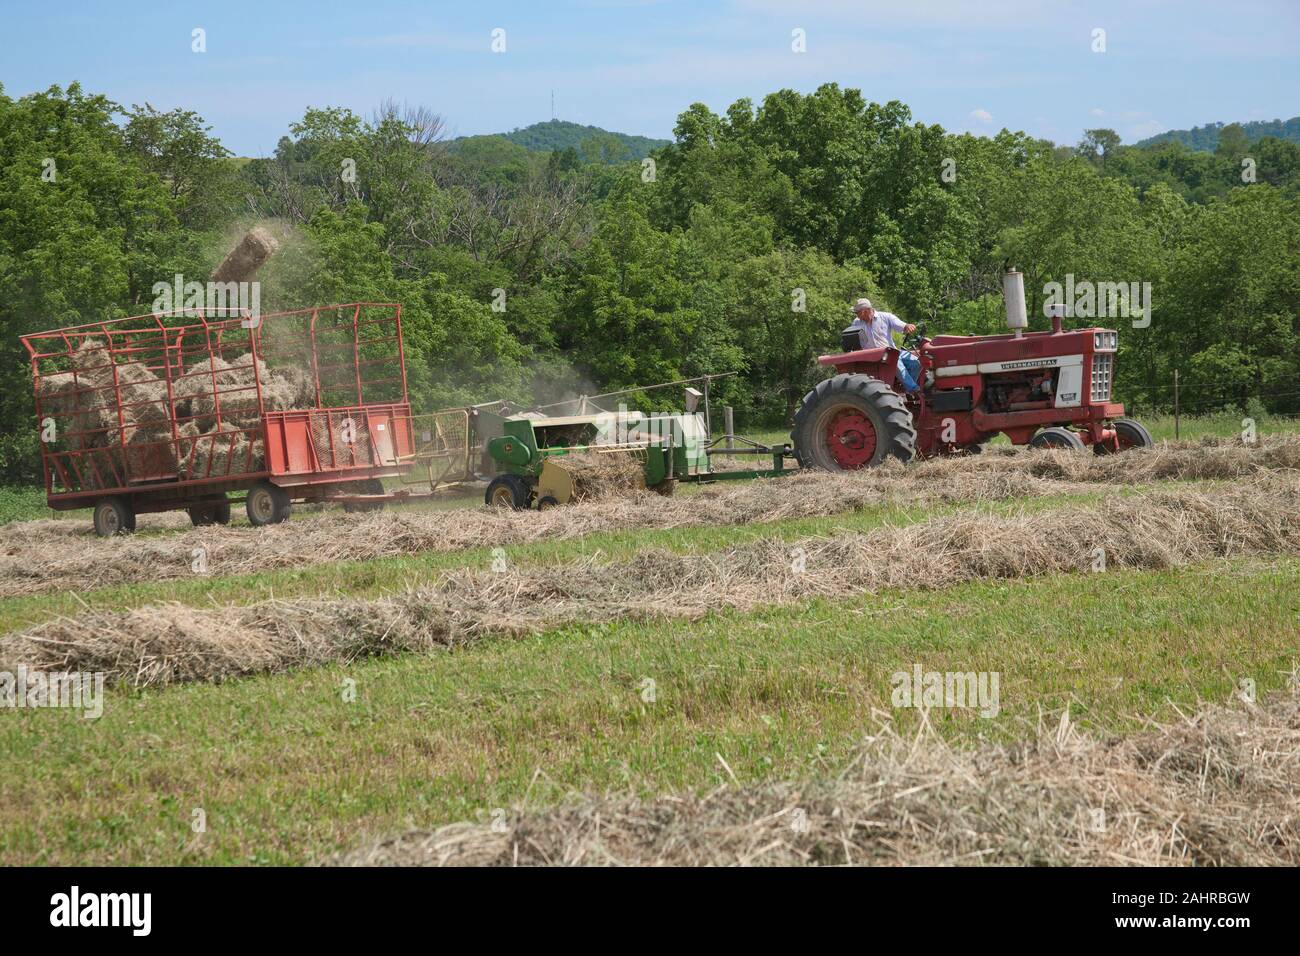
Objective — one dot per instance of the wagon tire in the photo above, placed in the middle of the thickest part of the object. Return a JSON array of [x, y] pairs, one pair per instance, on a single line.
[[1057, 438], [850, 422], [267, 504], [371, 486], [214, 513], [508, 491], [113, 516], [1131, 434]]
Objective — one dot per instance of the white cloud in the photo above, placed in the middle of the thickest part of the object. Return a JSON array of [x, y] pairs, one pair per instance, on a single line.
[[1097, 111], [984, 116]]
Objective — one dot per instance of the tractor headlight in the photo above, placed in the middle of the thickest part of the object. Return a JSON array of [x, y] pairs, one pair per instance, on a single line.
[[1105, 341]]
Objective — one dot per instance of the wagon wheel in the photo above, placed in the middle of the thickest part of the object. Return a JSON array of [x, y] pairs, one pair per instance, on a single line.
[[267, 504], [214, 513], [371, 486], [113, 516]]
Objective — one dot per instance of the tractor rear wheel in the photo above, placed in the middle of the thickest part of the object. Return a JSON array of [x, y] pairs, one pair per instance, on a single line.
[[267, 504], [508, 491], [852, 421], [1128, 434], [1057, 438], [113, 516]]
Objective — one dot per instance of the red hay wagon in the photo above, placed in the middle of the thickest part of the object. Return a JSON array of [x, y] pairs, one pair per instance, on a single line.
[[168, 412]]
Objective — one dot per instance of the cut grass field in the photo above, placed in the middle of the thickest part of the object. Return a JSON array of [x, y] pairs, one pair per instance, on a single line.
[[287, 771]]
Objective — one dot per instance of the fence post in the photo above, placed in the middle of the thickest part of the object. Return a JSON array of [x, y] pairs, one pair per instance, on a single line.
[[728, 422], [1176, 405]]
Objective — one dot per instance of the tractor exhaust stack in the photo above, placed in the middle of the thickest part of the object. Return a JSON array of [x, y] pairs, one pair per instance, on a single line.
[[1013, 292]]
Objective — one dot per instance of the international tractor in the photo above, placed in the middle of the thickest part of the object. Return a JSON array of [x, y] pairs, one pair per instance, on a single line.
[[1042, 389]]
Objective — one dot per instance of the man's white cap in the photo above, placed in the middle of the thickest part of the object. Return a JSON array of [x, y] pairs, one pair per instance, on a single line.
[[862, 304]]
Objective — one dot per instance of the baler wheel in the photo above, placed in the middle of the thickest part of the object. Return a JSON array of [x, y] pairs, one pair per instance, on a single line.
[[267, 504], [508, 491], [113, 516], [1057, 438], [546, 503], [1130, 434], [852, 421]]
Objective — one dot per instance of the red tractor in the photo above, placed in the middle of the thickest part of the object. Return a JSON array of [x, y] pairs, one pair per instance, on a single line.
[[1045, 389]]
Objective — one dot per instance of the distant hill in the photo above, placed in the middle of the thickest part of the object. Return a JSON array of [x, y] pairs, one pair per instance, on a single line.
[[555, 135], [1206, 138]]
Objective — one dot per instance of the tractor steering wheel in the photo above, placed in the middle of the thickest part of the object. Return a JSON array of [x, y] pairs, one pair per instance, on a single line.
[[914, 341]]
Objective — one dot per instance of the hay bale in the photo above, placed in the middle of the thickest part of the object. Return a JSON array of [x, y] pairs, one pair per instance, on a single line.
[[299, 386], [236, 389], [248, 255], [600, 475], [84, 402], [225, 451]]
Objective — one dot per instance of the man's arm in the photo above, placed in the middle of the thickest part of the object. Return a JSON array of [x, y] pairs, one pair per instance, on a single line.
[[896, 324]]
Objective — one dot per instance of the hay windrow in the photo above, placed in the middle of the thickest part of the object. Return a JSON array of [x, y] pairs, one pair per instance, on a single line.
[[163, 644], [1215, 789], [43, 556]]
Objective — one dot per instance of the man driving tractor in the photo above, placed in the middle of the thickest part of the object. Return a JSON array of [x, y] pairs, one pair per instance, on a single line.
[[876, 331]]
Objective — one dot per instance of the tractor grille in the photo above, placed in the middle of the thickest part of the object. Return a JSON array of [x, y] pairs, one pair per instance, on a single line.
[[1102, 368]]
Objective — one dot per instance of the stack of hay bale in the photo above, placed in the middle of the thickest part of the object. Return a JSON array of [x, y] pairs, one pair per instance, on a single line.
[[231, 386], [140, 444]]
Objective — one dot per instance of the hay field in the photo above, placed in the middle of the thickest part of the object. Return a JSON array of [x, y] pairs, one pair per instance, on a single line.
[[641, 679]]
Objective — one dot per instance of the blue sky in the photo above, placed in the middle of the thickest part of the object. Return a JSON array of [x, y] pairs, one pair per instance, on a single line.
[[633, 65]]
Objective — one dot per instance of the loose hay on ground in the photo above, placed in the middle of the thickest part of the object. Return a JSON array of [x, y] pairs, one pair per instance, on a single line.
[[1216, 789], [31, 564], [162, 644]]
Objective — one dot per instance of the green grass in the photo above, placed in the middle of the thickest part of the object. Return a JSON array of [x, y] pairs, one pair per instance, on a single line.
[[26, 503], [378, 576], [286, 770]]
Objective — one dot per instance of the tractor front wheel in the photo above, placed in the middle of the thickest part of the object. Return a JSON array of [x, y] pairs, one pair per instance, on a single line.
[[1128, 434], [852, 421], [1057, 438], [508, 491]]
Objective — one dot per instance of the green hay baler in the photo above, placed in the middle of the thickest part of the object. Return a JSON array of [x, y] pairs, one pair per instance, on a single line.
[[529, 454]]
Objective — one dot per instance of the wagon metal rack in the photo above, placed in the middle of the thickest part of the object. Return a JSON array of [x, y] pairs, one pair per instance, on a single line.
[[176, 411]]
